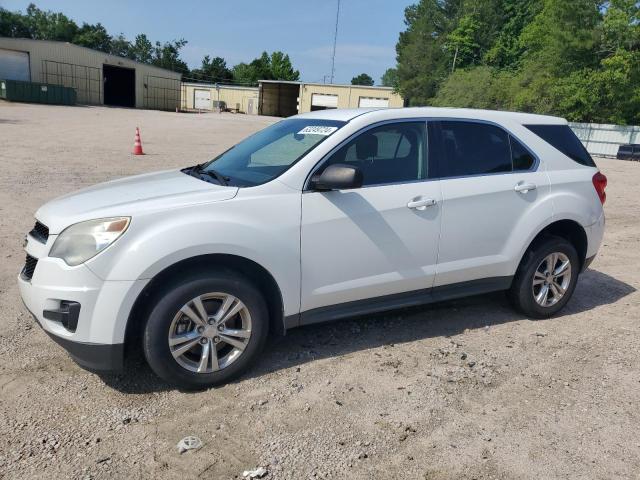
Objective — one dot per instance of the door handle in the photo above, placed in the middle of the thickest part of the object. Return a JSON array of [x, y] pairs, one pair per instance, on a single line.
[[525, 187], [421, 203]]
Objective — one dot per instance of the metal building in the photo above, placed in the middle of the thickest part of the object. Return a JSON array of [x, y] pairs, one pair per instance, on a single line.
[[97, 77], [211, 97], [283, 99]]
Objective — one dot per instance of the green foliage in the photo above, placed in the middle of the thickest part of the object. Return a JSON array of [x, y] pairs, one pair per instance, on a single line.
[[93, 36], [479, 87], [462, 42], [578, 59], [276, 66], [390, 78], [362, 79], [281, 67], [213, 70]]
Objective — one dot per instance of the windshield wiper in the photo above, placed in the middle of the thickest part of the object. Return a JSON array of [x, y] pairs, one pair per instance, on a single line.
[[221, 179]]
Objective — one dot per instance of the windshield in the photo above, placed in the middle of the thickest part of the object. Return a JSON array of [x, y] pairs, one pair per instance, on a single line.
[[270, 152]]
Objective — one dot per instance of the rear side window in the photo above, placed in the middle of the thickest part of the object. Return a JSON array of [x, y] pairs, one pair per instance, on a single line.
[[471, 148], [562, 138], [520, 156]]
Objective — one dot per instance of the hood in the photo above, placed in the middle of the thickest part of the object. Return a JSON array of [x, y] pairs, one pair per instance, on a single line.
[[130, 196]]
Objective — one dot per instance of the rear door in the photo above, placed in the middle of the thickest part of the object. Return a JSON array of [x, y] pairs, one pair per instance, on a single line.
[[492, 186], [378, 240]]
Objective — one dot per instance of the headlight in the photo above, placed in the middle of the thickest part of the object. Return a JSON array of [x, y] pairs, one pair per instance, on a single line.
[[82, 241]]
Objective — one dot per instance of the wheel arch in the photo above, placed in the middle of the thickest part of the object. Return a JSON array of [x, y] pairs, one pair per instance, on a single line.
[[254, 272], [568, 229]]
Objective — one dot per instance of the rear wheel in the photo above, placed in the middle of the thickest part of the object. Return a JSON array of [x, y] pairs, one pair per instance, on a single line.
[[546, 278], [206, 330]]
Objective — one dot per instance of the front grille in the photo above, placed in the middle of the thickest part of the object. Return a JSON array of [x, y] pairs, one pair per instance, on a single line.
[[29, 267], [40, 232]]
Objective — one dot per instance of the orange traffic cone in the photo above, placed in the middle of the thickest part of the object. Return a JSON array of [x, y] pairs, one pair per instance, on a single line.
[[137, 144]]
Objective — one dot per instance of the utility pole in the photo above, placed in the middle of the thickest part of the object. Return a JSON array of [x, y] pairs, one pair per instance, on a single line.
[[335, 39]]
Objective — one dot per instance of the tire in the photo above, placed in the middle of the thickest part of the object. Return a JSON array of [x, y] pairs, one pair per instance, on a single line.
[[535, 263], [176, 316]]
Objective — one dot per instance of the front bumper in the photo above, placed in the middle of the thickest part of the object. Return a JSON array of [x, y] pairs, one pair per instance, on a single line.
[[96, 339], [92, 356]]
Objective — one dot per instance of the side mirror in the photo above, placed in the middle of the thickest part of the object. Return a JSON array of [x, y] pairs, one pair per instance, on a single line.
[[338, 176]]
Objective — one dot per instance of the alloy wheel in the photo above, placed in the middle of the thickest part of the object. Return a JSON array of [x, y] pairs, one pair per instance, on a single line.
[[551, 279], [209, 332]]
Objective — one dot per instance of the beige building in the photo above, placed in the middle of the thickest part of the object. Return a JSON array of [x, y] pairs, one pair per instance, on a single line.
[[209, 97], [97, 77], [283, 99]]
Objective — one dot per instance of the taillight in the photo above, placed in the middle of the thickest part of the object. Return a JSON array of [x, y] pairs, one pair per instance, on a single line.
[[600, 183]]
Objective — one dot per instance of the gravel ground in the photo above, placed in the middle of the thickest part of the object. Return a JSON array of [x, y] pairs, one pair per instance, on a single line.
[[465, 389]]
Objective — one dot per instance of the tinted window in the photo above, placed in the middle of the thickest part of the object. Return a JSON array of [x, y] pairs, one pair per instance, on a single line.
[[470, 148], [388, 154], [562, 138], [521, 157]]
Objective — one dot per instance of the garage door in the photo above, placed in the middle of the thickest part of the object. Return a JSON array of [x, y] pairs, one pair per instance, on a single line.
[[14, 65], [324, 101], [202, 99], [368, 102]]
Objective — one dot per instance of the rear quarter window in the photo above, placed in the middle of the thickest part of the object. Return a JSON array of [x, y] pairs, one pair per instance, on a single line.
[[562, 138]]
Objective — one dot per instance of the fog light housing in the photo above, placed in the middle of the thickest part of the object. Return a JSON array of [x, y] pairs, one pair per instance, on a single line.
[[67, 314]]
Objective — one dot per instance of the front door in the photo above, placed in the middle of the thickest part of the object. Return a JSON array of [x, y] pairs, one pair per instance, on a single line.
[[378, 240]]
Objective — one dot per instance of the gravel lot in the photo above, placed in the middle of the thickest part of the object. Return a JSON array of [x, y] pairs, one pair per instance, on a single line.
[[465, 389]]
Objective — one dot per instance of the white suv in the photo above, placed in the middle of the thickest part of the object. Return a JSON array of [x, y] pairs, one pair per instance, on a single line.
[[318, 217]]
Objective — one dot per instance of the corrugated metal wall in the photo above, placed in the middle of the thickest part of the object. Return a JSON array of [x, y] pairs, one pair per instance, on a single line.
[[62, 63], [603, 140]]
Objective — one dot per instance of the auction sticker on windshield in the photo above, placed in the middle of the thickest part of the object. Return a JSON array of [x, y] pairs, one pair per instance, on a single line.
[[317, 130]]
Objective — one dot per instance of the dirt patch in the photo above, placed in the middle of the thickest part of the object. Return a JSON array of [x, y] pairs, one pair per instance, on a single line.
[[464, 389]]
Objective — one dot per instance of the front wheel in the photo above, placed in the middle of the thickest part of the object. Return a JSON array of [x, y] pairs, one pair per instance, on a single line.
[[206, 330], [546, 278]]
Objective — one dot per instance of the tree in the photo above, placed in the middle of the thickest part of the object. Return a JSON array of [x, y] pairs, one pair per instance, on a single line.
[[121, 47], [13, 24], [167, 55], [507, 50], [362, 79], [421, 53], [47, 25], [462, 42], [276, 66], [93, 36], [477, 87], [281, 67], [578, 59], [213, 70], [390, 78], [141, 50]]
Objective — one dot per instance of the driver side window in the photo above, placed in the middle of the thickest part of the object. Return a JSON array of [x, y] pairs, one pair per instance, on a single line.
[[391, 153]]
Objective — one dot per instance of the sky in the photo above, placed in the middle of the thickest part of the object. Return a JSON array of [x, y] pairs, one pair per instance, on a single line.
[[239, 30]]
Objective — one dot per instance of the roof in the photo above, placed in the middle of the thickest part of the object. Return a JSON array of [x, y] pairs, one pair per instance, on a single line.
[[219, 85], [340, 85], [374, 114], [8, 40]]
